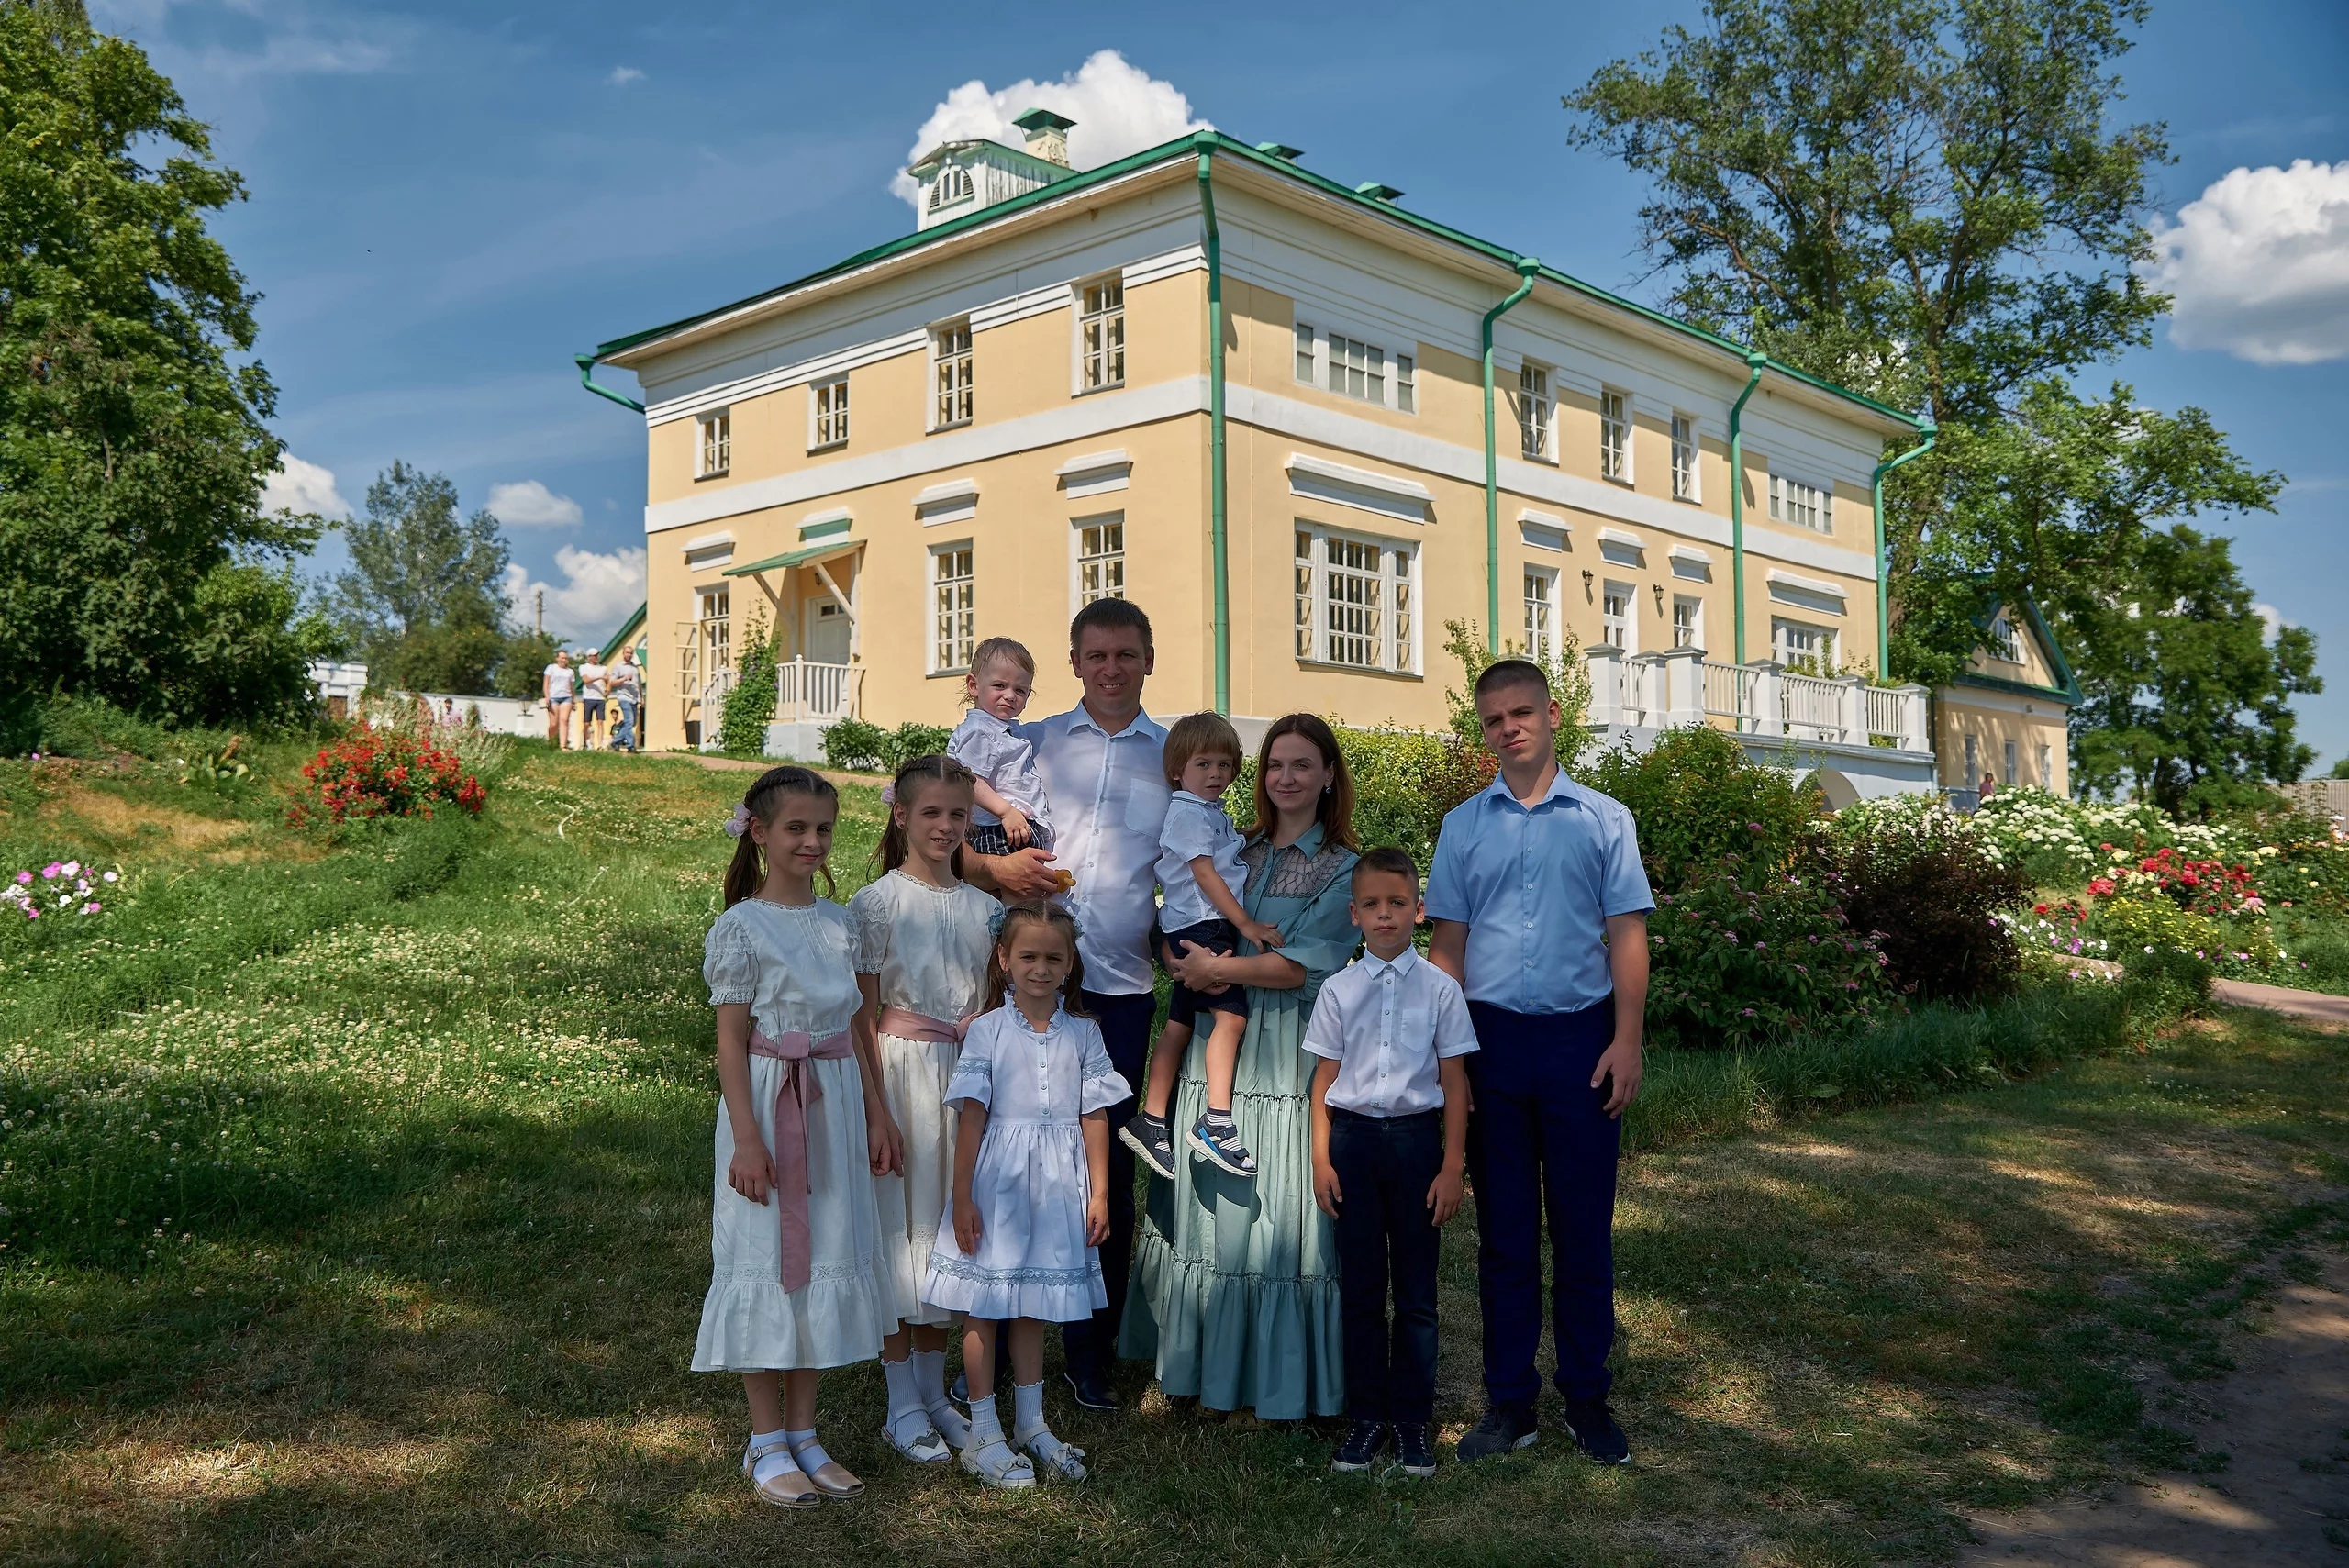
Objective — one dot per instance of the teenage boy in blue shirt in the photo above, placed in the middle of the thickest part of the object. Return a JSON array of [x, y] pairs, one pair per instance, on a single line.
[[1539, 907]]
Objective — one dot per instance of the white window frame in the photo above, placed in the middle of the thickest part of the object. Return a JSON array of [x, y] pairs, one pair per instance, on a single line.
[[1783, 635], [2002, 641], [714, 613], [2012, 757], [714, 444], [2046, 766], [1615, 435], [1309, 354], [1687, 466], [1406, 383], [1973, 761], [1542, 611], [1688, 629], [953, 615], [1800, 504], [953, 186], [828, 414], [1620, 630], [1323, 362], [952, 347], [1101, 334], [1391, 618], [1110, 558], [1349, 359], [1537, 413]]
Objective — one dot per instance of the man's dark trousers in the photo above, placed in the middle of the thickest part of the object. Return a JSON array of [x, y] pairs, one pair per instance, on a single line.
[[1538, 1132], [1125, 1031], [1384, 1167]]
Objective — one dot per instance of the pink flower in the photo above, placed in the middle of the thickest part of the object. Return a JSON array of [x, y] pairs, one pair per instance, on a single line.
[[23, 877], [90, 908], [49, 873], [72, 867]]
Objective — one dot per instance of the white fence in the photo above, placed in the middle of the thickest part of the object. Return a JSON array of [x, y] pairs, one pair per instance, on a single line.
[[1657, 691], [807, 690]]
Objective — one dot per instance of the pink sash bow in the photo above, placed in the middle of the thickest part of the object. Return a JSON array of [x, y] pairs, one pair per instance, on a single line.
[[907, 1024], [796, 1092]]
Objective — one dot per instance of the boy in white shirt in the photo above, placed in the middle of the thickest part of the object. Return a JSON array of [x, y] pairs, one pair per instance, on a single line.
[[1390, 1134], [1203, 881], [593, 684], [1009, 810]]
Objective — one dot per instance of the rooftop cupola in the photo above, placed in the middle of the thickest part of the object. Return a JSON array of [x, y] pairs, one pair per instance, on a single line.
[[958, 178], [1047, 135]]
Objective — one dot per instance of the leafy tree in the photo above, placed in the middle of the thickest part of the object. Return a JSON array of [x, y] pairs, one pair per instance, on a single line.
[[2187, 697], [524, 663], [424, 600], [132, 448], [2340, 769]]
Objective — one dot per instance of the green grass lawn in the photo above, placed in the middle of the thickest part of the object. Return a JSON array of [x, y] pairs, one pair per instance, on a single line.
[[355, 1203]]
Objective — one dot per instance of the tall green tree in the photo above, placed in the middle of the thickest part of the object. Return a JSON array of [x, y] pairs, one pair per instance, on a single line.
[[424, 600], [133, 552], [2189, 696]]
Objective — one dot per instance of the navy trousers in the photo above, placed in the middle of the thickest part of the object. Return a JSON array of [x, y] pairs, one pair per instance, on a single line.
[[1384, 1167], [1125, 1030], [1539, 1134]]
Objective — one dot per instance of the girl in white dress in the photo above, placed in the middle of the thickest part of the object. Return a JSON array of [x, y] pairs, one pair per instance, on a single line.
[[794, 1238], [923, 936], [1031, 1202]]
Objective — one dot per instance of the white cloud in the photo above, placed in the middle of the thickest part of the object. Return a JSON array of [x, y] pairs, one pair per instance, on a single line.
[[527, 503], [623, 75], [598, 592], [291, 41], [298, 486], [1118, 110], [2271, 617], [2259, 263]]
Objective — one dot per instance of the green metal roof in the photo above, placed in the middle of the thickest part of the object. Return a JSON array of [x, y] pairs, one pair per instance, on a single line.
[[1216, 143], [795, 557]]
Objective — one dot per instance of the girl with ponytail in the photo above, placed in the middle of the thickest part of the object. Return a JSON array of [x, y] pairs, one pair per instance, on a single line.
[[922, 942], [794, 1237]]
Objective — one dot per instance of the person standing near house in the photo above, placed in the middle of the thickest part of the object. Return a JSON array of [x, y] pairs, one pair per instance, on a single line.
[[1101, 767], [595, 686], [1539, 906], [554, 686], [628, 691]]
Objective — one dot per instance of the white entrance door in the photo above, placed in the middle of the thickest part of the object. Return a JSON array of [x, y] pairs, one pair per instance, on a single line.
[[827, 627]]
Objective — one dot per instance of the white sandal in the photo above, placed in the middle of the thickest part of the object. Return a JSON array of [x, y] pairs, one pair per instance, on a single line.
[[1062, 1462], [833, 1478], [926, 1445], [998, 1464], [950, 1424], [778, 1491]]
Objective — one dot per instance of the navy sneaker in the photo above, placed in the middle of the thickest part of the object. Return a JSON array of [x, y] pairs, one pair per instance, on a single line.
[[1592, 1425], [1153, 1143], [1365, 1443], [1414, 1448], [1505, 1430], [1223, 1150]]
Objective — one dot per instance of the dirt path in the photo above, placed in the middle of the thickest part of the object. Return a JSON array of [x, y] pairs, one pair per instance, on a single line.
[[2282, 999], [2283, 1501]]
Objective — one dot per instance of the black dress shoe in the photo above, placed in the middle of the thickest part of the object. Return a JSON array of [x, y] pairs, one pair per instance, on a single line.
[[1091, 1386]]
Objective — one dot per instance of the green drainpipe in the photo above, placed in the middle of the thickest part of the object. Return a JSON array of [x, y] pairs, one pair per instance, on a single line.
[[587, 364], [1527, 267], [1883, 565], [1756, 360], [1217, 529]]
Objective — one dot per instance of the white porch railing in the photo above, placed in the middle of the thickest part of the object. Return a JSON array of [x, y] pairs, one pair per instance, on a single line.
[[1654, 690], [713, 695], [806, 690]]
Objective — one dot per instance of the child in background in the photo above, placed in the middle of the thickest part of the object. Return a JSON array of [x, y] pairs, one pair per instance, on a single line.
[[1031, 1202], [1390, 1130], [1202, 879], [1011, 809], [795, 1241], [923, 937]]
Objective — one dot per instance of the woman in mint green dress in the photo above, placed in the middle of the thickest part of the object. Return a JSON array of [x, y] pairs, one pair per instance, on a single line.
[[1234, 1289]]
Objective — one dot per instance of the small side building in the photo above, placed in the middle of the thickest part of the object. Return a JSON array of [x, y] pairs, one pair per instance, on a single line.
[[2009, 714]]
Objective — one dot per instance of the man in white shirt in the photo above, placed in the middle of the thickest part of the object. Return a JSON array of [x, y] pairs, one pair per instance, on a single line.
[[595, 683], [627, 690], [1103, 772], [554, 686], [1390, 1137]]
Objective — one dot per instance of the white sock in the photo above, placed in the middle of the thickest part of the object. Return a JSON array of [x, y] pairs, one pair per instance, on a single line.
[[775, 1464], [905, 1396], [986, 1427], [807, 1450], [1028, 1408], [930, 1377]]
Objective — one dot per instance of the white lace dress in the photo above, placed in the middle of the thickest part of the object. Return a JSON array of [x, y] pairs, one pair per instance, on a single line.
[[795, 967], [928, 948], [1030, 1183]]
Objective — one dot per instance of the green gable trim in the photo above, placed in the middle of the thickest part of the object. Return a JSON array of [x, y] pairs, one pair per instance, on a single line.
[[824, 530], [2068, 684], [628, 629], [1209, 142], [2068, 694], [790, 558]]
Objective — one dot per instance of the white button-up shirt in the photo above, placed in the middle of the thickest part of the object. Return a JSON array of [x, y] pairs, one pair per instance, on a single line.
[[1109, 799], [1196, 828], [1387, 1025]]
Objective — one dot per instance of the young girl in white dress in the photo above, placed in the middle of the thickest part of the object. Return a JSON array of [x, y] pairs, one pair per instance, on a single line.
[[794, 1238], [923, 936], [1031, 1202]]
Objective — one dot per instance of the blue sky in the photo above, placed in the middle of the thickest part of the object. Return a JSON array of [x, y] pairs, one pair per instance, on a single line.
[[448, 201]]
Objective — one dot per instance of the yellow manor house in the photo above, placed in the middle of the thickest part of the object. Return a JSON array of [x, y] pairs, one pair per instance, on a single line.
[[1303, 426]]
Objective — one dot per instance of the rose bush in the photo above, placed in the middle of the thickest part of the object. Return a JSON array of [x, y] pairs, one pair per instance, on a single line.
[[373, 773], [1736, 960]]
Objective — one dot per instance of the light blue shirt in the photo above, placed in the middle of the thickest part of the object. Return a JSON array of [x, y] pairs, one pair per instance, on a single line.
[[1196, 826], [1535, 889], [1109, 797]]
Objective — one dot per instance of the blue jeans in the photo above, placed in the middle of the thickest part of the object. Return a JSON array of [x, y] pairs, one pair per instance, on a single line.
[[1125, 1031], [1384, 1165], [624, 732], [1540, 1136]]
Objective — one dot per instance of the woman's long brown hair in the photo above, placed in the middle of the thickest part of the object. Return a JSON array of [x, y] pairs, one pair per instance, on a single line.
[[763, 800], [1029, 912], [1336, 808]]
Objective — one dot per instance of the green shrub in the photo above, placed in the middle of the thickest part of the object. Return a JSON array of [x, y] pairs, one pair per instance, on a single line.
[[1732, 965], [1918, 884], [1569, 685], [857, 745], [750, 706], [1698, 797], [910, 740]]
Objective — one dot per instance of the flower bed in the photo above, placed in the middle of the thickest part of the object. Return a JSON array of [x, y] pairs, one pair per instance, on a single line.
[[373, 773], [60, 887]]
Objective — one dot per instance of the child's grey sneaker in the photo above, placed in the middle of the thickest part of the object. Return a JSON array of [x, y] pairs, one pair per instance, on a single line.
[[1414, 1448], [1153, 1143], [1363, 1444], [1504, 1430], [1223, 1150]]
